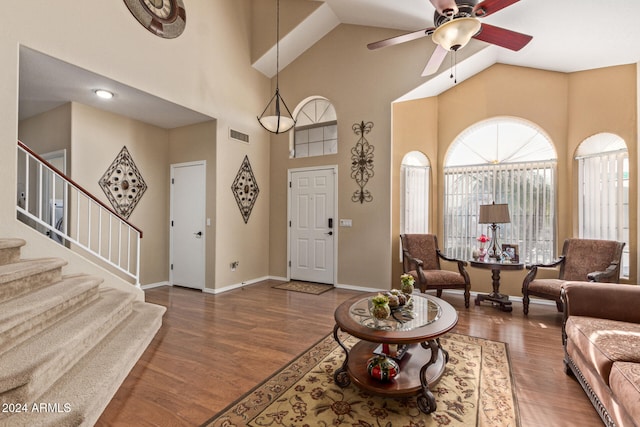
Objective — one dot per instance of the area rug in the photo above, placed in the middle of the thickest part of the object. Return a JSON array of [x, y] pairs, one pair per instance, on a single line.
[[305, 287], [477, 389]]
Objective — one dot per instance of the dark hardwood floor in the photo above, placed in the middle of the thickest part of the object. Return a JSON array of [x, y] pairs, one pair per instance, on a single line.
[[212, 349]]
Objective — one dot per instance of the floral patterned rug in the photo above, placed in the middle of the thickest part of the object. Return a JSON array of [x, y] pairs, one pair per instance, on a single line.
[[476, 389]]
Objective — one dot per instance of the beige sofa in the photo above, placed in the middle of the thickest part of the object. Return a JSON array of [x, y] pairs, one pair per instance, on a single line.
[[601, 338]]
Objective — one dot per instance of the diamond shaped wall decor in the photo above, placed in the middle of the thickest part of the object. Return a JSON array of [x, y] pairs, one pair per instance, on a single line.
[[245, 189], [123, 184]]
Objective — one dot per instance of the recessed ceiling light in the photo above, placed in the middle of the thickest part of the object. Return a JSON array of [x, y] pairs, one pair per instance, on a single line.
[[105, 94]]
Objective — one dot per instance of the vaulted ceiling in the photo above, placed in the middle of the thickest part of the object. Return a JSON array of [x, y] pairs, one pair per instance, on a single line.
[[568, 35]]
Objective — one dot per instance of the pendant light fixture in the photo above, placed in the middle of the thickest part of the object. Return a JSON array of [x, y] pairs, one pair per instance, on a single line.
[[279, 123]]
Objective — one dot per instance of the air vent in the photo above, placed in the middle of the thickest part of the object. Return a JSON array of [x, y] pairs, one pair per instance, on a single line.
[[238, 136]]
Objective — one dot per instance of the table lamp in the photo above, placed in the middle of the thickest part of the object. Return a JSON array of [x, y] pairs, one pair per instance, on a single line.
[[494, 214]]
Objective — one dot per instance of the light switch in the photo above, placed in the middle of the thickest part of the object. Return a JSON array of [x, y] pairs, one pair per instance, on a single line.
[[345, 223], [208, 222]]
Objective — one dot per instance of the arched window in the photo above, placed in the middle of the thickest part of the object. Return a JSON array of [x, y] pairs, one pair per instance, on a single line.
[[501, 160], [414, 193], [603, 176], [316, 130]]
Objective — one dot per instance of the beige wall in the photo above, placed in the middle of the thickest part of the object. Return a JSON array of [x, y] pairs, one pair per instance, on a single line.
[[206, 69], [567, 107], [361, 86], [97, 138], [48, 132], [263, 22], [195, 143], [605, 100]]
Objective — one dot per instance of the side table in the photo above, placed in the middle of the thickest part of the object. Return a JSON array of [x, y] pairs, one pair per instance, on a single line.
[[496, 296]]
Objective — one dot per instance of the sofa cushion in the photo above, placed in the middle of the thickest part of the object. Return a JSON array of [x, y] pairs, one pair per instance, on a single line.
[[603, 341], [625, 384]]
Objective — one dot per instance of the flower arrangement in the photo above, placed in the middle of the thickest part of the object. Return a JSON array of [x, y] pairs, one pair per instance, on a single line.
[[380, 308], [406, 283], [380, 299], [483, 238], [407, 279]]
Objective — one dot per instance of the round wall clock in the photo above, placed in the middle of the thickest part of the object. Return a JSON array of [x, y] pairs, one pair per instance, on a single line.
[[164, 18]]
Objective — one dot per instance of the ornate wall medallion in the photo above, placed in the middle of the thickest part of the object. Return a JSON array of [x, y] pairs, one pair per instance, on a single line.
[[164, 18], [245, 189], [123, 184], [362, 162]]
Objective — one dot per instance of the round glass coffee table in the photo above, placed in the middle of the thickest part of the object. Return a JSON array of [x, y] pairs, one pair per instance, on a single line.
[[415, 328]]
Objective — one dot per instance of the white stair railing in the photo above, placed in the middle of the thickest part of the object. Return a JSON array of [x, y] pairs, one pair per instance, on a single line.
[[55, 205]]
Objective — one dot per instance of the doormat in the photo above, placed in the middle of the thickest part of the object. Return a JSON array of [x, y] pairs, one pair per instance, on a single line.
[[477, 389], [305, 287]]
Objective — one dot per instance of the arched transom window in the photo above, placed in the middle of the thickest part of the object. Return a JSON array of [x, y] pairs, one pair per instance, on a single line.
[[502, 160], [316, 130]]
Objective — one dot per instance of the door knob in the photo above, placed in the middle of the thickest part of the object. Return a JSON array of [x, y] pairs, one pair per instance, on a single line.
[[330, 233], [198, 234]]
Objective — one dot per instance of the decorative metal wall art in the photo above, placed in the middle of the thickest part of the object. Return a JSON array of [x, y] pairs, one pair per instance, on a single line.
[[245, 189], [362, 162], [123, 184]]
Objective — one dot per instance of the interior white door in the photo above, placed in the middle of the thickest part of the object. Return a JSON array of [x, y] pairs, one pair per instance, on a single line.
[[312, 233], [187, 224]]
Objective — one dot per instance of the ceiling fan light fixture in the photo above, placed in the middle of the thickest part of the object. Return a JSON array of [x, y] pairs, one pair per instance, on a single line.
[[455, 34]]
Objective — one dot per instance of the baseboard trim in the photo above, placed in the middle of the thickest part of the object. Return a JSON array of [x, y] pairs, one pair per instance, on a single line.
[[216, 291], [154, 285]]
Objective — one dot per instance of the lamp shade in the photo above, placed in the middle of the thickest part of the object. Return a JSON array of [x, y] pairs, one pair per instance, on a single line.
[[455, 34], [276, 124], [494, 214]]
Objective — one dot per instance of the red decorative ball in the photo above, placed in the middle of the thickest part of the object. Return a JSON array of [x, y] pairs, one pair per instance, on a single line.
[[382, 368]]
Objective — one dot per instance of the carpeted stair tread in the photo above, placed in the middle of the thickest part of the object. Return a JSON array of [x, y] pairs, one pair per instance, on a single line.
[[25, 276], [27, 315], [10, 250], [91, 383], [31, 367]]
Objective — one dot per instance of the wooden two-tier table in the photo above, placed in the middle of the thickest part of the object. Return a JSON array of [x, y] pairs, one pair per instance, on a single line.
[[417, 326]]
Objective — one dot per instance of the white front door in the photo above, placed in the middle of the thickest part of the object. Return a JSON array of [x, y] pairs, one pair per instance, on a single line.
[[312, 225], [187, 224]]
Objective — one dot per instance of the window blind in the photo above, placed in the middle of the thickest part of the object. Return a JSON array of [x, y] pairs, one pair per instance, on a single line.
[[604, 199], [414, 203], [529, 190]]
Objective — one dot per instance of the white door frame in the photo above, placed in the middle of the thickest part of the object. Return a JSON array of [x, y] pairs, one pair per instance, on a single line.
[[333, 168], [173, 166]]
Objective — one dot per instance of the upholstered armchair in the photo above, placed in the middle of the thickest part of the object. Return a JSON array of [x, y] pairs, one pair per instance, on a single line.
[[421, 258], [584, 260]]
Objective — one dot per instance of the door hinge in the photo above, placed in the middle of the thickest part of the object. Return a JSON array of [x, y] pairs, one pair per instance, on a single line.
[[172, 266], [289, 223], [289, 184], [289, 263], [173, 181], [172, 223]]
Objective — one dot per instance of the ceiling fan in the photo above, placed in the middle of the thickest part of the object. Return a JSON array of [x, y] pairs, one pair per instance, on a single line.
[[456, 22]]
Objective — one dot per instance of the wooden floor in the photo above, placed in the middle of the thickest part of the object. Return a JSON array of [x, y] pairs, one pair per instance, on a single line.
[[212, 349]]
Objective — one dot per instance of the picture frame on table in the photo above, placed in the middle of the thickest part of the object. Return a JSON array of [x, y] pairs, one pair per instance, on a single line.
[[511, 251]]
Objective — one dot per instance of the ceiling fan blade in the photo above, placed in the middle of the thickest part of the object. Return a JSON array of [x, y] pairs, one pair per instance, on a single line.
[[401, 38], [435, 61], [487, 7], [502, 37]]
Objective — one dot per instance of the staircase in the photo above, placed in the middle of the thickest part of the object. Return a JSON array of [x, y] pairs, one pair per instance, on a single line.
[[66, 344]]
